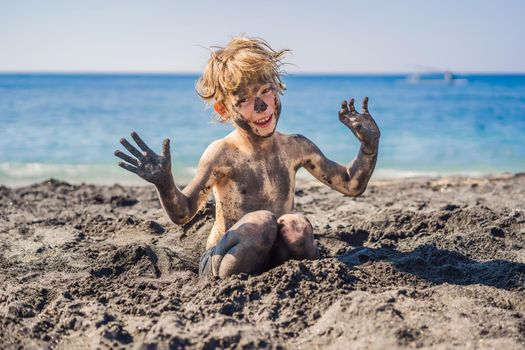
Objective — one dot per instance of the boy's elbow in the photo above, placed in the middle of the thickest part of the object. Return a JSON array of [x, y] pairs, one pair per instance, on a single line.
[[355, 190], [179, 214], [181, 219]]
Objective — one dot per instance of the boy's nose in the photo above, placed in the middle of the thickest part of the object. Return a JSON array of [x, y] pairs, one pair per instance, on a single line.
[[259, 105]]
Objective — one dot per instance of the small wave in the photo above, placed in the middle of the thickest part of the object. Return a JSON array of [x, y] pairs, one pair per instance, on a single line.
[[387, 174], [391, 174], [22, 174]]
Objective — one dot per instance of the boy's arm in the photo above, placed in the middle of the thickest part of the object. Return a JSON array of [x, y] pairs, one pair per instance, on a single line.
[[353, 179], [180, 206]]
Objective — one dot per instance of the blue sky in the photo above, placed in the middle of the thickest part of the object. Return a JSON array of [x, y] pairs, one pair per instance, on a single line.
[[325, 36]]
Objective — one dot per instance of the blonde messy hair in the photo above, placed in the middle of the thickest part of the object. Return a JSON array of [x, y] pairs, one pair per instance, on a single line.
[[242, 62]]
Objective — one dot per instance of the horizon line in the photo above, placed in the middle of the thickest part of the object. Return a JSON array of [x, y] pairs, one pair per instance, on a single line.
[[193, 73]]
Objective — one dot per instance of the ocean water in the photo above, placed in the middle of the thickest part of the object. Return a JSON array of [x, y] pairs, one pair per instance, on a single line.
[[68, 125]]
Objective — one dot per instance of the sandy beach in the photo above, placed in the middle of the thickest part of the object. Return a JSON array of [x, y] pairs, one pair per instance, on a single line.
[[427, 262]]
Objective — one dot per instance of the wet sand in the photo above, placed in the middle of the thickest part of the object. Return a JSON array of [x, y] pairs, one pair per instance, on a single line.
[[431, 263]]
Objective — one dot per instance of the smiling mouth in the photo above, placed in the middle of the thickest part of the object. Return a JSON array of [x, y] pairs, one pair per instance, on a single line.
[[264, 122]]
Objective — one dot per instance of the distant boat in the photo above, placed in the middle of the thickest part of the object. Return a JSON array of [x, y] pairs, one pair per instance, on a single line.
[[435, 76]]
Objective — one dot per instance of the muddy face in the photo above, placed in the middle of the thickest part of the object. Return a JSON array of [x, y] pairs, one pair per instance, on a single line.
[[257, 113]]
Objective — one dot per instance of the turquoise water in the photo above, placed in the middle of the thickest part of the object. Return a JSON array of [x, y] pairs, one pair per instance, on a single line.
[[68, 125]]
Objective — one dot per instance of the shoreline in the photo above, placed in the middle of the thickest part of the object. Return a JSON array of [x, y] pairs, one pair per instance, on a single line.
[[419, 262], [10, 171]]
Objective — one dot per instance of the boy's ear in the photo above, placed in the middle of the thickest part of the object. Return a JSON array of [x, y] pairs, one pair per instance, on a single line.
[[219, 108]]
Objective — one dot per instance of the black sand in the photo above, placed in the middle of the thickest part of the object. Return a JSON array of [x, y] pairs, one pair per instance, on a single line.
[[432, 263]]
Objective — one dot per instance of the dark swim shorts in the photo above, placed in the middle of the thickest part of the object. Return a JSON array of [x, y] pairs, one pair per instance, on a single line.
[[205, 263]]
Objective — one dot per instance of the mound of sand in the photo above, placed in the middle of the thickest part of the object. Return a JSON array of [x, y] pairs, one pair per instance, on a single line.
[[435, 263]]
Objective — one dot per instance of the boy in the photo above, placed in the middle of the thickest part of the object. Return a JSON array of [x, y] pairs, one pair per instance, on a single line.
[[252, 170]]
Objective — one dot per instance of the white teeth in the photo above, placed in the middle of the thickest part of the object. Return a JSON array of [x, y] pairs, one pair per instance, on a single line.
[[262, 121]]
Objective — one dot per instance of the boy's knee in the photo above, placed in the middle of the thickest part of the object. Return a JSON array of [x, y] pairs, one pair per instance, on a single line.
[[261, 218], [295, 229], [265, 228], [296, 237]]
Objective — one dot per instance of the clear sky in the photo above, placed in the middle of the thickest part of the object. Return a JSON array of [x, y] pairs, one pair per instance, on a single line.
[[325, 36]]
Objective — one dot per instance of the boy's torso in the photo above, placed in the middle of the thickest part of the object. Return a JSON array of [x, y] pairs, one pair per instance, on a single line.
[[254, 179]]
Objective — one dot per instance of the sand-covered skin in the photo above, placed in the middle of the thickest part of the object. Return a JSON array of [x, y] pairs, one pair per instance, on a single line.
[[432, 263]]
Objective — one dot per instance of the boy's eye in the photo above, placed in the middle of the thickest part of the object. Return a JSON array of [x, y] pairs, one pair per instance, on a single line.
[[240, 101], [268, 89]]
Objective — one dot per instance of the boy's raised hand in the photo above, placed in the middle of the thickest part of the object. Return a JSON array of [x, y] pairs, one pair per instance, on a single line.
[[362, 124], [147, 164]]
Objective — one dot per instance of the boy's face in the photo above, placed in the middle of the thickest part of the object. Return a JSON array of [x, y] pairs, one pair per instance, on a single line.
[[256, 109]]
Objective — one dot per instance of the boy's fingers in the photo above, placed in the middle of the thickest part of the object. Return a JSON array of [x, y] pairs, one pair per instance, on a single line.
[[344, 105], [131, 149], [352, 108], [127, 158], [139, 142], [128, 167], [166, 148], [365, 104]]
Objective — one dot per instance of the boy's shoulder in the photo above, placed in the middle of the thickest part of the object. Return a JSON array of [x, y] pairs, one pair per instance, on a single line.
[[228, 151], [221, 151], [218, 147], [231, 141], [297, 141], [293, 138]]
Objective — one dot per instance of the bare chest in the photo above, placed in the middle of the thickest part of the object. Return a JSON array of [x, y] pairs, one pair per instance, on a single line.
[[257, 185]]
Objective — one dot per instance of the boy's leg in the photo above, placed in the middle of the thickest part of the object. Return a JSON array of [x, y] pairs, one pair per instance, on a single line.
[[295, 240], [246, 246]]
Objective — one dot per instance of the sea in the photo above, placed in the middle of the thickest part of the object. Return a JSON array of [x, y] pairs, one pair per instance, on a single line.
[[67, 126]]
